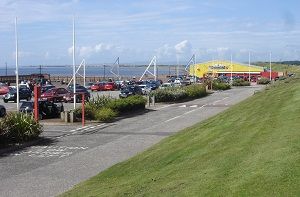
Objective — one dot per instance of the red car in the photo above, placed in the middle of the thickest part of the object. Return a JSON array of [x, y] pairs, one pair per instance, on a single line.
[[55, 94], [4, 89], [110, 86], [98, 86]]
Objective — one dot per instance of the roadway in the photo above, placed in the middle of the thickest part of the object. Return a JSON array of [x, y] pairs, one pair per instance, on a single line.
[[70, 154]]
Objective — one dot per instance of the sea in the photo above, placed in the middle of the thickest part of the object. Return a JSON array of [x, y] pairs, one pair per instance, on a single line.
[[128, 71]]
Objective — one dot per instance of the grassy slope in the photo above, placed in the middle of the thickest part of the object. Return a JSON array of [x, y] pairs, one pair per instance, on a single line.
[[280, 67], [251, 149]]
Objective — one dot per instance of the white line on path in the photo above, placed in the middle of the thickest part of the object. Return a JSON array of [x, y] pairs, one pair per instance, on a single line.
[[173, 118], [185, 113], [159, 108]]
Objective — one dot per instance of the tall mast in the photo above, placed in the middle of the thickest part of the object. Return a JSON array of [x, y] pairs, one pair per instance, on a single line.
[[17, 64], [74, 69], [270, 66]]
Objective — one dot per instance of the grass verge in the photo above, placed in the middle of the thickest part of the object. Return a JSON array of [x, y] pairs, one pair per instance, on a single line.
[[251, 149]]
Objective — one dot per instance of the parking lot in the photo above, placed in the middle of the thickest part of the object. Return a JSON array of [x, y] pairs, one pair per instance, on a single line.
[[11, 106]]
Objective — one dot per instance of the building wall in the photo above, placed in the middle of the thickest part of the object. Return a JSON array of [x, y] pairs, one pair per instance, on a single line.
[[223, 67]]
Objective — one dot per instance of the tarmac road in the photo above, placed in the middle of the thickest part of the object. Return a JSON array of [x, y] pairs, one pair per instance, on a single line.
[[71, 154]]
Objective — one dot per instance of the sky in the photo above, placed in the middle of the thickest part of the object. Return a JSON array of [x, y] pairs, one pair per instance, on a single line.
[[137, 30]]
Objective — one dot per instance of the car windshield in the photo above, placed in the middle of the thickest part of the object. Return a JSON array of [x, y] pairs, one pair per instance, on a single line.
[[26, 104], [49, 91], [128, 89], [12, 90]]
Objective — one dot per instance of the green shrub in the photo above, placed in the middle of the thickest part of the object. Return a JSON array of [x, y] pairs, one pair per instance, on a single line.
[[263, 81], [128, 104], [169, 94], [99, 101], [18, 127], [216, 85], [195, 91], [89, 111], [240, 82], [179, 93], [105, 114]]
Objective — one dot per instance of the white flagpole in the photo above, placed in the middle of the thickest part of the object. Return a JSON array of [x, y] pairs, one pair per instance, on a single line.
[[249, 78], [195, 70], [74, 72], [270, 66], [17, 66], [231, 68]]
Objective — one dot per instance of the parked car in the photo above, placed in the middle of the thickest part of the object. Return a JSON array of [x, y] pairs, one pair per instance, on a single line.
[[110, 86], [46, 87], [153, 84], [24, 94], [46, 109], [98, 86], [2, 111], [166, 85], [54, 94], [4, 89], [79, 91], [88, 85], [145, 89], [130, 90]]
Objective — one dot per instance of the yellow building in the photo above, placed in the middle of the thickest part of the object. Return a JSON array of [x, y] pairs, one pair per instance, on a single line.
[[217, 68]]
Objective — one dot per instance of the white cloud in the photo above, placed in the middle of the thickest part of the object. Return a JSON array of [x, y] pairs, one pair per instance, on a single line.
[[183, 48], [47, 55], [165, 51], [87, 51]]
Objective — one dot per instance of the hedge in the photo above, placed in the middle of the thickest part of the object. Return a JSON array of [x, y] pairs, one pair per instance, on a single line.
[[173, 94], [105, 108], [240, 82], [263, 81], [217, 85], [19, 127]]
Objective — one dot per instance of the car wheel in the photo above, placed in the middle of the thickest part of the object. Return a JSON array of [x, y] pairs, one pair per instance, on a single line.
[[5, 101], [15, 100], [2, 112]]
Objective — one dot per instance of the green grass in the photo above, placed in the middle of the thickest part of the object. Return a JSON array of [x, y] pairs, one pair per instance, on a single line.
[[280, 67], [251, 149]]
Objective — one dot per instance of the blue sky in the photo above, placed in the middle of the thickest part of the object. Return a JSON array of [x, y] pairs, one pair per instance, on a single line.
[[137, 30]]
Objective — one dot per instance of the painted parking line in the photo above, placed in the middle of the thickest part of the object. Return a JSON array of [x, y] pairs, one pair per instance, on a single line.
[[50, 151]]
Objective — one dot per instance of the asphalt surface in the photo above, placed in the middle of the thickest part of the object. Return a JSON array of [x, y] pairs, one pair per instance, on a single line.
[[70, 154]]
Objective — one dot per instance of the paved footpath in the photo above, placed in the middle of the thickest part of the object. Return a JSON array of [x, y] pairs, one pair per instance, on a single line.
[[70, 154]]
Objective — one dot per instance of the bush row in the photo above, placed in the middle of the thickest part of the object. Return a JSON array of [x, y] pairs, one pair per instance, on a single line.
[[19, 127], [240, 82], [104, 108], [218, 85], [263, 81], [179, 93]]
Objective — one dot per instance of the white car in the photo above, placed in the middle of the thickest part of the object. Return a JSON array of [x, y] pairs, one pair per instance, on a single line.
[[166, 85], [145, 89]]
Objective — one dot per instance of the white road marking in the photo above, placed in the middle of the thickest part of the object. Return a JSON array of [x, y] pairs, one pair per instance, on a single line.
[[159, 108], [182, 106], [173, 118], [190, 111], [216, 102], [51, 151], [193, 106]]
